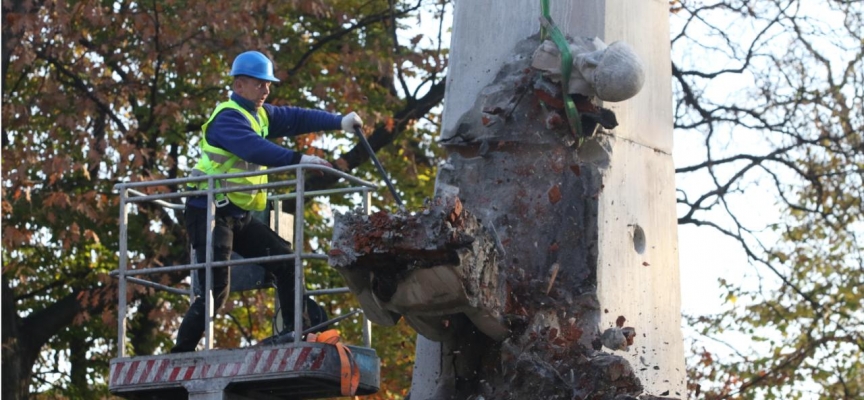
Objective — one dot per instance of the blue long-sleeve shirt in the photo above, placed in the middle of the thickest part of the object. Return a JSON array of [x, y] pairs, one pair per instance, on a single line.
[[231, 131]]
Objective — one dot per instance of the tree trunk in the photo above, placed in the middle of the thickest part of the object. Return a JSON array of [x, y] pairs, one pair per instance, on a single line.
[[23, 338], [78, 364], [143, 328], [18, 357]]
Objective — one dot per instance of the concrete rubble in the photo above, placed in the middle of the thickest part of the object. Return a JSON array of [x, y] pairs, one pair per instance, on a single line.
[[425, 265], [618, 338]]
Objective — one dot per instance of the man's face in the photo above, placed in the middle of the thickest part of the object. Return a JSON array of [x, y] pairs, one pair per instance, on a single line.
[[252, 89]]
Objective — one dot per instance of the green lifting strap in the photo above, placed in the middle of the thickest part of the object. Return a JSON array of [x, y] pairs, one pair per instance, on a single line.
[[548, 27]]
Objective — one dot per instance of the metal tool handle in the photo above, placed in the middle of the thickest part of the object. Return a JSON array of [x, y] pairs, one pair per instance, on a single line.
[[359, 132]]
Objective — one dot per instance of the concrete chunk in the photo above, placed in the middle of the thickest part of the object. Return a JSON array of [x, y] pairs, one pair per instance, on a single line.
[[425, 265]]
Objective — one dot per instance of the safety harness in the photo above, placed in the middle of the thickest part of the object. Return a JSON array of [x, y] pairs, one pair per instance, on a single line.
[[548, 28], [217, 161], [350, 372]]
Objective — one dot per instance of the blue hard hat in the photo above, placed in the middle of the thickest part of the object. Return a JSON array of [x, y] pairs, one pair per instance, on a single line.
[[254, 64]]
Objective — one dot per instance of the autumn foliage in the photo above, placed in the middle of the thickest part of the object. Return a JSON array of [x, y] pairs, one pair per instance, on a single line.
[[777, 113], [101, 92]]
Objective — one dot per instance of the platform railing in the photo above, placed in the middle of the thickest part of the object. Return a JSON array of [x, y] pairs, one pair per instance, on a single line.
[[130, 193]]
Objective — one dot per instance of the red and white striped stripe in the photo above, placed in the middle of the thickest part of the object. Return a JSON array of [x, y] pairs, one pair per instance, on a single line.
[[258, 361]]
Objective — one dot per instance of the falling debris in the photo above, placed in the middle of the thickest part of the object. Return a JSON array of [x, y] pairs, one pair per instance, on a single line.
[[618, 338]]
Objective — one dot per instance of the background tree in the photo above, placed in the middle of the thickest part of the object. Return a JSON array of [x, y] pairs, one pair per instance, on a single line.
[[778, 110], [100, 92]]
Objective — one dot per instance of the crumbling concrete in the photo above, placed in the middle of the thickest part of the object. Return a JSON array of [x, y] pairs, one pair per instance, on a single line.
[[509, 243], [529, 183], [427, 266], [627, 167], [563, 242]]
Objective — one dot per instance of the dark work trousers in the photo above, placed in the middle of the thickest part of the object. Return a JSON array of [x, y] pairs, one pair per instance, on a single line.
[[248, 237]]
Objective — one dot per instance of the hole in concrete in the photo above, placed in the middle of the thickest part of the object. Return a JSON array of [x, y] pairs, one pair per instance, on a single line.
[[638, 239]]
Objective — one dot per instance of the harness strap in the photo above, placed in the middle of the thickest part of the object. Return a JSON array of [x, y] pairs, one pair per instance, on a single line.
[[350, 372], [549, 28], [226, 161], [221, 199]]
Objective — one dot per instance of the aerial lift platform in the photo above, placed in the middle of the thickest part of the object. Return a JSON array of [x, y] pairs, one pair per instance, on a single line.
[[294, 370]]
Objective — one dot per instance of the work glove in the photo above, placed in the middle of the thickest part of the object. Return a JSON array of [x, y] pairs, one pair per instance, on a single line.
[[351, 121], [307, 159]]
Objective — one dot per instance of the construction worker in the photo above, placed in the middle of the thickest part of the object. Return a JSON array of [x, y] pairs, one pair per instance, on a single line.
[[235, 140]]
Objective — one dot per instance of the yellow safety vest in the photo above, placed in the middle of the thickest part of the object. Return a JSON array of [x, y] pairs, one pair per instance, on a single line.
[[215, 161]]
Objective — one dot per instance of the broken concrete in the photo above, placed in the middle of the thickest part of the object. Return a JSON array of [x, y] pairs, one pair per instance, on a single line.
[[426, 266], [618, 338], [631, 173], [509, 243], [561, 237]]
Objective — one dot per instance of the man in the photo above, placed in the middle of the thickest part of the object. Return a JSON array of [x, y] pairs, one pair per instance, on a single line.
[[235, 140]]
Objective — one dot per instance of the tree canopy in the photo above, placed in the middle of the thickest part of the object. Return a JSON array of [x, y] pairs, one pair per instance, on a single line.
[[101, 92], [778, 112]]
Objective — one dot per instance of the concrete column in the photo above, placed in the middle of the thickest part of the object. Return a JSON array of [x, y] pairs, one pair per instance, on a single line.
[[283, 224], [637, 268], [637, 260], [212, 389]]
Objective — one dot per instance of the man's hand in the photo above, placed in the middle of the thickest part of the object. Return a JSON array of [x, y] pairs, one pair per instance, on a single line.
[[351, 121], [307, 159]]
